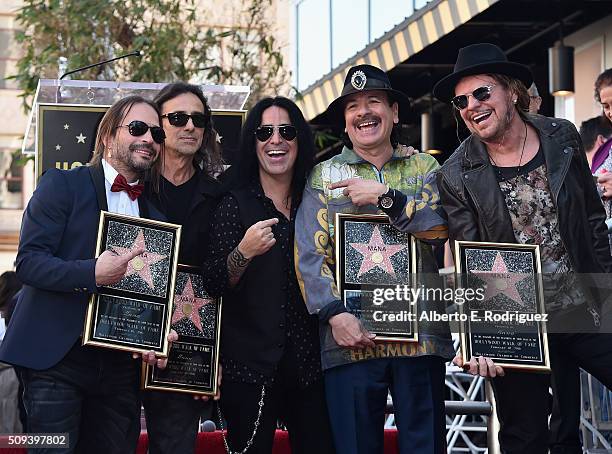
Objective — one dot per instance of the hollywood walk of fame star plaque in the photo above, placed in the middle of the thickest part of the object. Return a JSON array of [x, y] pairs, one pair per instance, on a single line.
[[193, 360], [373, 256], [506, 321], [134, 313]]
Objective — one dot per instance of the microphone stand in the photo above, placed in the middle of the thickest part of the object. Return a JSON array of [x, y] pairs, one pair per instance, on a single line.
[[136, 53]]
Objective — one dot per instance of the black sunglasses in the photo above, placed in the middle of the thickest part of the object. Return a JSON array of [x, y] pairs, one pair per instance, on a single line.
[[481, 94], [139, 128], [287, 132], [181, 119]]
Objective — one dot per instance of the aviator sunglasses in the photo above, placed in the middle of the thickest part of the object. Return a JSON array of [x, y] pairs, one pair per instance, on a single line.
[[139, 128], [287, 132], [481, 94], [181, 119]]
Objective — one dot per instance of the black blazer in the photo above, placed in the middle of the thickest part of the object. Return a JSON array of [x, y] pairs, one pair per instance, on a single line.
[[55, 262]]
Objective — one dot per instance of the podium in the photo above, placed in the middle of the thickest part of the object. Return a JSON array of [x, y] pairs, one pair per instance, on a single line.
[[65, 114]]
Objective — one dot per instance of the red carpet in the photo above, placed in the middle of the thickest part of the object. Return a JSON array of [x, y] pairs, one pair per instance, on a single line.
[[212, 443]]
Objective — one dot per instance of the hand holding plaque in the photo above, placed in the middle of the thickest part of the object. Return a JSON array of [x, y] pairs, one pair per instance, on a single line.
[[135, 272]]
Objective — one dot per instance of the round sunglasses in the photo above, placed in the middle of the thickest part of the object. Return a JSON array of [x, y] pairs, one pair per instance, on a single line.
[[287, 132], [139, 128], [181, 118], [481, 94]]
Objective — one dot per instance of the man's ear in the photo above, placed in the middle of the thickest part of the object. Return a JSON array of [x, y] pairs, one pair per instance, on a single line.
[[395, 109], [600, 140]]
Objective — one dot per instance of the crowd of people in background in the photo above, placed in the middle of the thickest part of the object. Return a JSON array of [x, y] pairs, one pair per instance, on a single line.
[[263, 235]]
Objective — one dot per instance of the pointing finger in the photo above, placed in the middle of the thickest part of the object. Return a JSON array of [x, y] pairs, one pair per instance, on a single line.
[[268, 222], [340, 184]]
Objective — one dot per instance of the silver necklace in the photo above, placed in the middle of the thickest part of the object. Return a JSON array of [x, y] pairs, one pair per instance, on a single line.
[[255, 426], [518, 169]]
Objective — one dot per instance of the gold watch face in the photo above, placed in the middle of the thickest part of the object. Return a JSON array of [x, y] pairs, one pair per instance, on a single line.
[[386, 202]]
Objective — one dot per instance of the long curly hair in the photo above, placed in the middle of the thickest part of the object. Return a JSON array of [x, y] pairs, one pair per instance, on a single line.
[[246, 162]]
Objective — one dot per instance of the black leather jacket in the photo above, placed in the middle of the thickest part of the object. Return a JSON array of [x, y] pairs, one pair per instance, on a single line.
[[477, 211]]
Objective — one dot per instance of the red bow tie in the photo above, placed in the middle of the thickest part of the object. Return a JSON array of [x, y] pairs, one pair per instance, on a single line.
[[121, 184]]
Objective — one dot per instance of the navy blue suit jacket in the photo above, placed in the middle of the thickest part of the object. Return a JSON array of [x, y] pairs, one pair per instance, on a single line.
[[56, 264]]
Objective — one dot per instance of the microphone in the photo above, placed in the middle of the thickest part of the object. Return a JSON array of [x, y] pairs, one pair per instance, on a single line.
[[136, 53], [208, 426]]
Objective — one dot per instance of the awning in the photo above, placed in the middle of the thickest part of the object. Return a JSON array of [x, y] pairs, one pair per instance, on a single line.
[[418, 31]]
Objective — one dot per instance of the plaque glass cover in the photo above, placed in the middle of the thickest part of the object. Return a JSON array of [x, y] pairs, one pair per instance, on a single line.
[[507, 321], [134, 313], [373, 256], [193, 360]]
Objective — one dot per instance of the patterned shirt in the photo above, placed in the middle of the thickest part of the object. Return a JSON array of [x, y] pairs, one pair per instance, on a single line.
[[300, 361], [422, 215], [534, 221]]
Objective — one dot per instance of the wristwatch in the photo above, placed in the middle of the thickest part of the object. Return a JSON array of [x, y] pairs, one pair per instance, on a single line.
[[385, 201]]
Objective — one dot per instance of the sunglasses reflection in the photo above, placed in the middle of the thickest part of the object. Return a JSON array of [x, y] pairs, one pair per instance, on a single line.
[[287, 132], [480, 94]]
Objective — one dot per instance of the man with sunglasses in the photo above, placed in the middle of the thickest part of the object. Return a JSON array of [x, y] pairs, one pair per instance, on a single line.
[[523, 178], [186, 194], [269, 342], [89, 393], [373, 174]]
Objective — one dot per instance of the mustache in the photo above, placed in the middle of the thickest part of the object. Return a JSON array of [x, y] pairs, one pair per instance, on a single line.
[[369, 117], [142, 146]]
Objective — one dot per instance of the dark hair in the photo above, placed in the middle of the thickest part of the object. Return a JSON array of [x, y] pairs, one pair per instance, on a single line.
[[246, 162], [9, 286], [395, 131], [591, 128], [112, 119], [603, 80], [511, 84], [518, 88], [209, 156]]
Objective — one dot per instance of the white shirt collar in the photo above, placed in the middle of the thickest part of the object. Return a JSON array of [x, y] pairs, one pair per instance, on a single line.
[[110, 173]]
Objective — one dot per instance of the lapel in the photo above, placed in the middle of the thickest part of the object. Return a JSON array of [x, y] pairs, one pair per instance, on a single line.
[[206, 188], [557, 154], [97, 176], [482, 185]]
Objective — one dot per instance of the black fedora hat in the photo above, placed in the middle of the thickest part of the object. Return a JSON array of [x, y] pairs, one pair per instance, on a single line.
[[362, 78], [482, 58]]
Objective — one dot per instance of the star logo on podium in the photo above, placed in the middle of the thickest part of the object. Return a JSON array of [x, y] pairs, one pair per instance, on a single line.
[[187, 306], [499, 280], [141, 264], [376, 253]]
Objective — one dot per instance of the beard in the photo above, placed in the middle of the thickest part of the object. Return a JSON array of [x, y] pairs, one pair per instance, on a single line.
[[129, 157]]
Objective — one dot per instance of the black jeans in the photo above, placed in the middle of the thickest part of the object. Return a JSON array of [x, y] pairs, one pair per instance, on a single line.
[[173, 421], [303, 411], [523, 402], [569, 353], [92, 394]]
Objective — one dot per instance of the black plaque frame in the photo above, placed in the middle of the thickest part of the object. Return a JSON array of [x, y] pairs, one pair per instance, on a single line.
[[187, 348], [345, 287], [514, 336], [105, 295]]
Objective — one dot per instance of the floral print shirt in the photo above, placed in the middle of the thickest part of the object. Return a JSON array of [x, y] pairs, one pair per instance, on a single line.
[[534, 221], [422, 216]]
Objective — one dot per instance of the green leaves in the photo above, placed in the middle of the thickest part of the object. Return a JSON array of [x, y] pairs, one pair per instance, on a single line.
[[170, 33]]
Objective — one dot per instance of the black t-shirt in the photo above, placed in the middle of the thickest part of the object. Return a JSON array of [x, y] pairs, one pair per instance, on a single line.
[[507, 173], [176, 200]]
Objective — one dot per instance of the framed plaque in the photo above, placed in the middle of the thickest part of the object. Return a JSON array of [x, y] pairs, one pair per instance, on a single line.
[[134, 313], [193, 360], [505, 319], [373, 261]]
